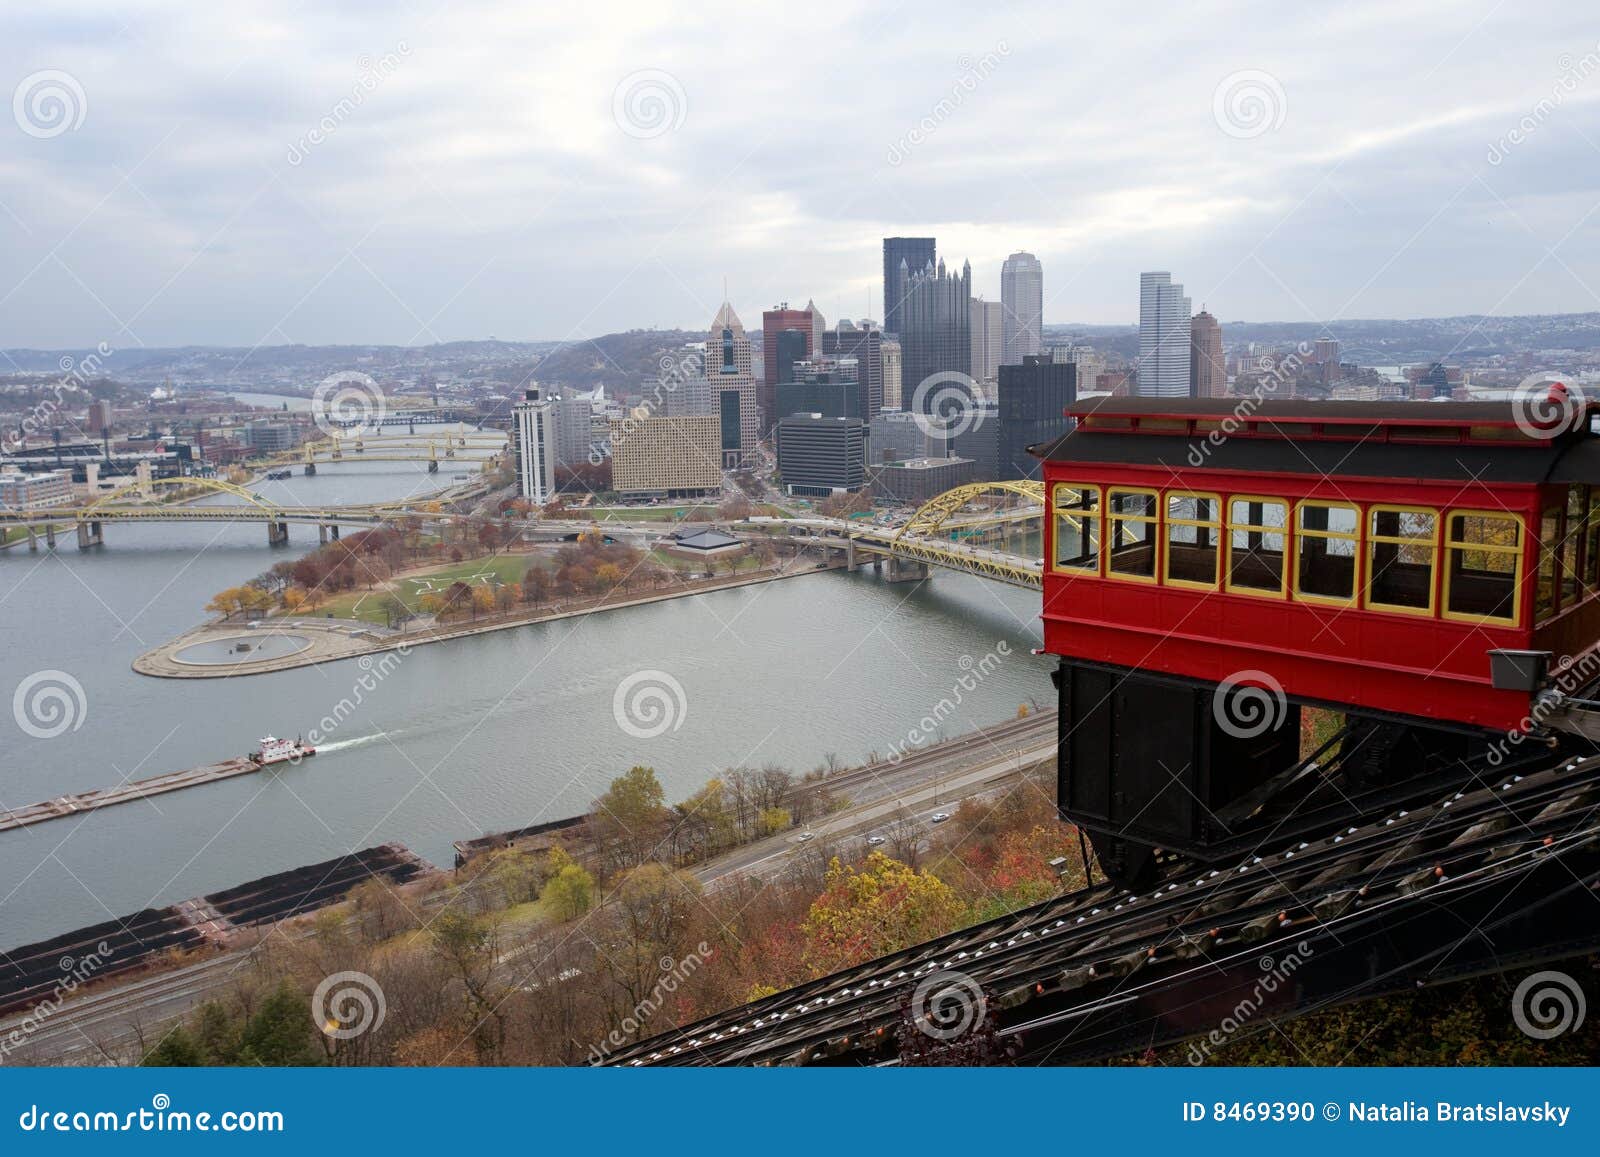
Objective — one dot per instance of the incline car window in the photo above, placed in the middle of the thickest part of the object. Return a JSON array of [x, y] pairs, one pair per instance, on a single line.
[[1194, 536], [1402, 544], [1131, 517], [1484, 554], [1326, 566], [1255, 544], [1077, 528]]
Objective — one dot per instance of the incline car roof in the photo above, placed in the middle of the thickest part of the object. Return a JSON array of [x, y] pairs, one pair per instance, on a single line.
[[1340, 439]]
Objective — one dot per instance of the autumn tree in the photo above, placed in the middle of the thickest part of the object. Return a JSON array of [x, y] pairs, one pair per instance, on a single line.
[[881, 907], [631, 819]]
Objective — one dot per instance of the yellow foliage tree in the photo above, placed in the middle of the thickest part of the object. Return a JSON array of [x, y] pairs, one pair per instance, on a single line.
[[881, 908]]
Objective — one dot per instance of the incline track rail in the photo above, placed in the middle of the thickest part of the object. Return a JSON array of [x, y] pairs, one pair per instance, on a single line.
[[1475, 881]]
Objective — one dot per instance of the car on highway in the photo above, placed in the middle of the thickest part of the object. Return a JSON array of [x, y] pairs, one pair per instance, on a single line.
[[939, 817], [875, 841], [804, 836]]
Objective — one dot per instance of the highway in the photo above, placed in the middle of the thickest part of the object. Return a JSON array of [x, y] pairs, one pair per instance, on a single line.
[[85, 1029]]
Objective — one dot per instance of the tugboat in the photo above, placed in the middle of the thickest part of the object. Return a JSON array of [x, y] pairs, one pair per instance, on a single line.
[[281, 751]]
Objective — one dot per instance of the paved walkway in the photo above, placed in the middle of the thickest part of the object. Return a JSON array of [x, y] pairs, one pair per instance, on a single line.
[[335, 639]]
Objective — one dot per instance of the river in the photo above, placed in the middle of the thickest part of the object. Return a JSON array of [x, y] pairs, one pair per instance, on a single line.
[[459, 738]]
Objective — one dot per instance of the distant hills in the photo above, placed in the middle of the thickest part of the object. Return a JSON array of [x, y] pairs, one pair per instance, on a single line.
[[627, 360], [1382, 342]]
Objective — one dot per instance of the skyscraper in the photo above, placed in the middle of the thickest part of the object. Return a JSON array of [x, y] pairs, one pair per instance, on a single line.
[[935, 332], [1206, 368], [536, 447], [729, 369], [787, 336], [892, 365], [1022, 295], [1163, 337], [988, 338], [863, 342], [1032, 400], [911, 252]]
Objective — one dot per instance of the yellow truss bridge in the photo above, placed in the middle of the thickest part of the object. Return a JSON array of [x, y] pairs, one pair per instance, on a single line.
[[174, 500], [957, 530], [465, 448]]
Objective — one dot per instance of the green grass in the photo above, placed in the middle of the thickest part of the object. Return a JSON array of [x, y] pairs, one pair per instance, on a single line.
[[367, 606]]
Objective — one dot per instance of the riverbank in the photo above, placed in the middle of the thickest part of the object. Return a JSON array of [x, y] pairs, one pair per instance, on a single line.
[[333, 640]]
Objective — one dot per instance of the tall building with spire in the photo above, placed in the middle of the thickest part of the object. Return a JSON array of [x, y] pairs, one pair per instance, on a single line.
[[1163, 337], [1207, 370], [730, 370], [901, 253], [1022, 298], [935, 330]]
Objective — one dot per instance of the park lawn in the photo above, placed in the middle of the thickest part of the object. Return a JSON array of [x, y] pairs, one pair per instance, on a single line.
[[683, 513], [367, 606]]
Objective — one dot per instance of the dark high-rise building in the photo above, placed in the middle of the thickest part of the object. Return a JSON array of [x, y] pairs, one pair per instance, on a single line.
[[831, 395], [913, 253], [1207, 372], [820, 455], [1031, 398], [790, 346], [865, 344], [784, 331], [935, 335]]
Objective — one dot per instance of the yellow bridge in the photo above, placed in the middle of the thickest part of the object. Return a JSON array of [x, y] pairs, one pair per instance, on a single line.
[[980, 528], [985, 528], [174, 500], [460, 446]]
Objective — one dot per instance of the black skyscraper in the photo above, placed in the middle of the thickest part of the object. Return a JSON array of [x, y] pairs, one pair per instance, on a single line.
[[935, 338], [916, 253], [1032, 397]]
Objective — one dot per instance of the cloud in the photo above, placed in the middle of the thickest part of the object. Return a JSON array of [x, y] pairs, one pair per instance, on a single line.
[[455, 171]]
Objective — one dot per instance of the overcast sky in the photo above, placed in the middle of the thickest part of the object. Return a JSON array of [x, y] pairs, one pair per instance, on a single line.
[[242, 173]]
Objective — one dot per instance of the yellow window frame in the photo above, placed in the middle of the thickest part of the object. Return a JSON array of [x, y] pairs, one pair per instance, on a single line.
[[1452, 544], [1114, 522], [1229, 526], [1371, 539], [1214, 525], [1300, 531], [1096, 516]]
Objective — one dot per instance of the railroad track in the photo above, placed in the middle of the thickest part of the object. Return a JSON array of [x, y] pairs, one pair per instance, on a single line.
[[1466, 882]]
